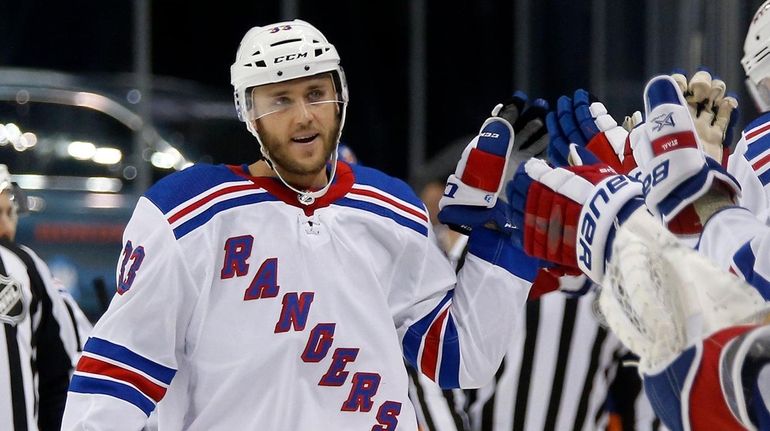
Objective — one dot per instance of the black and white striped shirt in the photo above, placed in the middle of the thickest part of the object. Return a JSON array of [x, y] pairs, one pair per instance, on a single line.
[[37, 353]]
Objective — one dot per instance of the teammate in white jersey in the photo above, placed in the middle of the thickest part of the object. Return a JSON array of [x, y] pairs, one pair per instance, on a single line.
[[700, 332], [284, 294], [38, 343]]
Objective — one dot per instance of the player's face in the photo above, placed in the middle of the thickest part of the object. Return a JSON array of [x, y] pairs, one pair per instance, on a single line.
[[8, 217], [298, 123]]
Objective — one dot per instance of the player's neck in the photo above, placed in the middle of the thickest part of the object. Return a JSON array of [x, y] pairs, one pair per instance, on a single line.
[[300, 181]]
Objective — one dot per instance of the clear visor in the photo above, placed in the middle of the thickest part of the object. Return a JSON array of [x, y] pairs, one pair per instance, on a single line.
[[760, 92], [311, 96]]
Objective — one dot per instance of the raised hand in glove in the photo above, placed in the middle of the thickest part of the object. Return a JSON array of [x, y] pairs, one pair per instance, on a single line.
[[713, 112], [677, 173], [583, 120], [567, 216], [472, 198]]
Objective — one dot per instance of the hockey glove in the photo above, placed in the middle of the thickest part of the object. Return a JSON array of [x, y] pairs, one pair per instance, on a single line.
[[676, 171], [472, 196], [677, 311], [660, 296], [567, 215], [713, 113], [584, 120], [528, 121]]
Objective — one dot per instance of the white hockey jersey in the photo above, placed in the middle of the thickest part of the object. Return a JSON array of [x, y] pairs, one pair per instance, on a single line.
[[242, 309], [750, 165], [732, 238], [738, 242]]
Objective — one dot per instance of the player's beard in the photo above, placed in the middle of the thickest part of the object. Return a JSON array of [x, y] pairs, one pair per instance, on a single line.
[[279, 153]]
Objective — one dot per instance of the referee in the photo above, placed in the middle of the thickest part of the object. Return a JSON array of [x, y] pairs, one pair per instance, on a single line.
[[37, 340]]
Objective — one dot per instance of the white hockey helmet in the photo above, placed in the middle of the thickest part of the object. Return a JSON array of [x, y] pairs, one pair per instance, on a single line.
[[281, 52], [756, 57]]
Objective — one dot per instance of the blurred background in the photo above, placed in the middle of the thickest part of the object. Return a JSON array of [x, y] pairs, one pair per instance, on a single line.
[[99, 99]]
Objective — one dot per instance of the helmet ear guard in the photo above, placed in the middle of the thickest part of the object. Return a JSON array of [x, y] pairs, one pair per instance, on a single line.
[[756, 57]]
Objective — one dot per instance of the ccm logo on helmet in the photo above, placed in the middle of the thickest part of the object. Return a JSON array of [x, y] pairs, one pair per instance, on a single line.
[[588, 222], [290, 57]]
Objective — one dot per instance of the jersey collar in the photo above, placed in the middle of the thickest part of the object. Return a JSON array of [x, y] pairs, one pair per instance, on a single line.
[[343, 182]]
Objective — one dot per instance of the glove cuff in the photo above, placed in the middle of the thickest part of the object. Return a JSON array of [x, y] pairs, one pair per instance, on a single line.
[[604, 208], [666, 204]]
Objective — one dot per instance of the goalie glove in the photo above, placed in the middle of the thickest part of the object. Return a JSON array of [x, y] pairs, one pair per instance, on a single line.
[[567, 216], [713, 112], [672, 306], [676, 171], [660, 296], [472, 198]]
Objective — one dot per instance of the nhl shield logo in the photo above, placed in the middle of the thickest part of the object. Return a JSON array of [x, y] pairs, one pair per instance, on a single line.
[[11, 301]]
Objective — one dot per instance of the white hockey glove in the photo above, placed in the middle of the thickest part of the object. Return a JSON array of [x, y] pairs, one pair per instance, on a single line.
[[713, 112], [675, 169]]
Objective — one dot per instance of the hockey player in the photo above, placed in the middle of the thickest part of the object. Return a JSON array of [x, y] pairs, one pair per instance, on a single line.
[[699, 332], [749, 162], [37, 342], [283, 294]]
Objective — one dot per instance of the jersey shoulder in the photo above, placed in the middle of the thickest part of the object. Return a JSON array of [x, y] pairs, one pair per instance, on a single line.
[[387, 197], [373, 178], [757, 136], [185, 185], [755, 126]]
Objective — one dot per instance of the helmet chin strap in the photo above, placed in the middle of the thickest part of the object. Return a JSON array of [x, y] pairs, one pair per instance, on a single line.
[[305, 197]]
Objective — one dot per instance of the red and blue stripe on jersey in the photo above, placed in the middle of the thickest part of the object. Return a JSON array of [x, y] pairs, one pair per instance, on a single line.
[[432, 345], [110, 369], [744, 264], [386, 196], [757, 136], [192, 197]]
